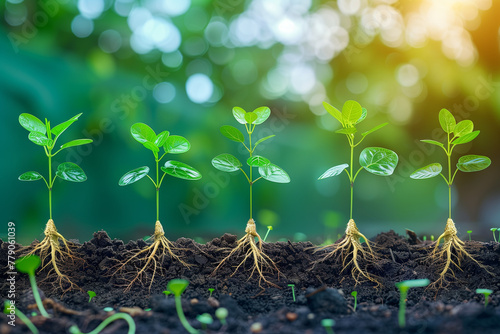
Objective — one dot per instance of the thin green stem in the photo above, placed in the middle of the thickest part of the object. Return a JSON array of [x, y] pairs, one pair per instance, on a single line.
[[251, 168], [182, 317], [356, 175], [51, 182], [351, 179], [157, 192], [257, 179], [402, 309], [38, 300], [449, 178], [107, 321]]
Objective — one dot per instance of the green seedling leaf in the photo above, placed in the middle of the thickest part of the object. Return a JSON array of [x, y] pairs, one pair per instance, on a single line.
[[378, 160], [347, 131], [28, 264], [161, 138], [150, 146], [274, 173], [39, 138], [464, 127], [334, 112], [205, 319], [262, 113], [447, 121], [258, 161], [133, 176], [91, 295], [484, 291], [176, 145], [251, 117], [221, 313], [71, 172], [226, 162], [414, 283], [334, 171], [181, 170], [142, 133], [60, 128], [32, 124], [261, 140], [473, 163], [378, 127], [77, 142], [239, 114], [232, 133], [177, 286], [363, 115], [427, 172], [30, 176], [351, 112], [466, 138], [433, 142]]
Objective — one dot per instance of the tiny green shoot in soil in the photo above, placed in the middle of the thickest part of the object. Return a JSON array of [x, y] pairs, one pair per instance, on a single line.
[[403, 289], [293, 290], [205, 319], [355, 295], [177, 287], [456, 134], [221, 313], [27, 265], [328, 325], [494, 229], [269, 229], [486, 293], [210, 290], [11, 311], [91, 294], [130, 321], [469, 232]]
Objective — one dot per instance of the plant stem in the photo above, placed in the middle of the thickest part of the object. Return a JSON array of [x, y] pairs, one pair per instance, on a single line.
[[251, 168], [50, 182], [402, 309], [38, 300], [157, 194], [182, 317], [449, 177], [351, 179]]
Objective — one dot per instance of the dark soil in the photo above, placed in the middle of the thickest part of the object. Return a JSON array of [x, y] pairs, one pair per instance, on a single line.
[[322, 291]]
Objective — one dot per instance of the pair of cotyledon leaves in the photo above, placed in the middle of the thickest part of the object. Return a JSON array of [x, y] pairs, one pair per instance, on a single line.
[[153, 142], [229, 163], [376, 160], [461, 133], [43, 135]]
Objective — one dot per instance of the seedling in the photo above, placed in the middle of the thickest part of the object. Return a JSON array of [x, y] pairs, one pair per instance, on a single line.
[[328, 324], [432, 238], [43, 135], [355, 295], [486, 293], [293, 290], [424, 238], [376, 160], [91, 295], [469, 233], [456, 134], [211, 290], [267, 170], [167, 293], [130, 321], [177, 287], [28, 265], [221, 314], [12, 311], [403, 290], [205, 319], [161, 246], [269, 229], [494, 229]]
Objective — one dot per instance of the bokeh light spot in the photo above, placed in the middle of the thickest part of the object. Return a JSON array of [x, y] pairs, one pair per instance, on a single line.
[[81, 26], [164, 92], [91, 9], [110, 41], [357, 82], [407, 75], [199, 88]]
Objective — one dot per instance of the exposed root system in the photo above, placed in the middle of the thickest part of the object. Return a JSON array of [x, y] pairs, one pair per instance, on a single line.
[[59, 253], [261, 261], [153, 255], [450, 254], [351, 251]]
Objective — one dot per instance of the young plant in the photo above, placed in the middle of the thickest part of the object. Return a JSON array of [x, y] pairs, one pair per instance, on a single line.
[[161, 246], [177, 287], [43, 135], [328, 325], [205, 319], [28, 265], [456, 134], [130, 321], [469, 233], [403, 290], [494, 229], [267, 171], [12, 311], [355, 295], [293, 290], [211, 290], [269, 229], [376, 160], [221, 313], [91, 295], [486, 293]]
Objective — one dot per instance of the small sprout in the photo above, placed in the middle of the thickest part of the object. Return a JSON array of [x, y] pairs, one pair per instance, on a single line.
[[355, 295], [27, 265], [424, 238], [211, 290], [107, 309], [328, 324], [494, 229], [91, 295], [486, 293], [269, 229], [432, 238], [147, 309], [131, 324], [167, 293], [177, 287], [34, 314], [221, 314], [205, 319], [403, 289], [469, 233], [11, 311], [293, 290]]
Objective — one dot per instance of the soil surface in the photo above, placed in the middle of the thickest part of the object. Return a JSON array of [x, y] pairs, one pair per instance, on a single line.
[[322, 290]]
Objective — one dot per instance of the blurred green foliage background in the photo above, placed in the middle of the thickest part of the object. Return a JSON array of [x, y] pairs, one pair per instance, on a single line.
[[182, 65]]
